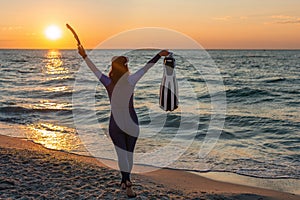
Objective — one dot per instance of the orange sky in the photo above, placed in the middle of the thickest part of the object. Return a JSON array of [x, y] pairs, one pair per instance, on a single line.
[[215, 24]]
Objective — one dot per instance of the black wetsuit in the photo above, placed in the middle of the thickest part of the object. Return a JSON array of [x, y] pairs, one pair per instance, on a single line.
[[123, 124]]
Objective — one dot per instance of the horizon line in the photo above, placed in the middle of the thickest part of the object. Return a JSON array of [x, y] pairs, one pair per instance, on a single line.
[[260, 49]]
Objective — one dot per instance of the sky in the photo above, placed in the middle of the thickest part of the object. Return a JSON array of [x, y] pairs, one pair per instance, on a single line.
[[214, 24]]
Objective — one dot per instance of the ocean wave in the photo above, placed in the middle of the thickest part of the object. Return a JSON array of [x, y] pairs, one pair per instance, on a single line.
[[22, 115], [241, 94], [28, 71], [273, 80], [57, 80], [7, 69], [196, 80], [225, 135], [59, 94], [22, 110], [248, 92], [16, 60]]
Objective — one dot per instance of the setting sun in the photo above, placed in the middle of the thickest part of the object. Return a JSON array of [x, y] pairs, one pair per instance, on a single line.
[[53, 32]]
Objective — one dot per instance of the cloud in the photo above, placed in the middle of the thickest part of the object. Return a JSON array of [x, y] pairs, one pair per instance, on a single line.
[[228, 18], [224, 18], [11, 28], [294, 21], [285, 19]]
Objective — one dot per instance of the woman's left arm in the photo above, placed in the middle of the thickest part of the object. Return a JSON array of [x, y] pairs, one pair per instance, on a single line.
[[134, 78]]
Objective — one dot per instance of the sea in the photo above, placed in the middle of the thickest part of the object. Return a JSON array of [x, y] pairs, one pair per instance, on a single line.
[[239, 110]]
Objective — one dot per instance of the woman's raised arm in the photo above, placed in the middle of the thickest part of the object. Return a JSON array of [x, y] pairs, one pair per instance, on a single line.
[[103, 78], [89, 63], [134, 78]]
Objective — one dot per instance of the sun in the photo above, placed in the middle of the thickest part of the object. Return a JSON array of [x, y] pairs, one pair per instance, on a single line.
[[53, 32]]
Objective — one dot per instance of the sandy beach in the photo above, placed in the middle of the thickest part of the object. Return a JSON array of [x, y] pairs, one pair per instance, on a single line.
[[30, 171]]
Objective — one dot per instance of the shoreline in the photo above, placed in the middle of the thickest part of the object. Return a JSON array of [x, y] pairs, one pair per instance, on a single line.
[[180, 183], [279, 184]]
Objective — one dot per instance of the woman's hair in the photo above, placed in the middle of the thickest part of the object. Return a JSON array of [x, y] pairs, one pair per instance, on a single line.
[[118, 68]]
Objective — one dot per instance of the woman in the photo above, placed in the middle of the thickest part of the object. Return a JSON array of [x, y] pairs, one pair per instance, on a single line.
[[123, 124]]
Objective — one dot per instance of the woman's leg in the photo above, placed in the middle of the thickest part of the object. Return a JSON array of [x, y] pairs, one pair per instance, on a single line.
[[119, 140], [124, 145], [130, 145], [132, 138]]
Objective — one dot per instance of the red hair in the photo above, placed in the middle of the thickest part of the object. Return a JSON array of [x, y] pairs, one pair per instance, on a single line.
[[118, 68]]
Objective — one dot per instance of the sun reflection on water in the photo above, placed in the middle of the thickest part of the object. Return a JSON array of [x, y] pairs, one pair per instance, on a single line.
[[50, 133], [58, 89], [54, 63], [54, 136], [46, 104]]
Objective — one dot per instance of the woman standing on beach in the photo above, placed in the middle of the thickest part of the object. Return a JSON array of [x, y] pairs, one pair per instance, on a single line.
[[123, 124]]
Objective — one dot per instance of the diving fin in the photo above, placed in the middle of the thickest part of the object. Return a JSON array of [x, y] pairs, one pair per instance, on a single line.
[[168, 99]]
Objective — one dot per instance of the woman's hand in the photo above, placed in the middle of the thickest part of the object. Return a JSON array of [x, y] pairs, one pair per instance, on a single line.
[[164, 53], [81, 51]]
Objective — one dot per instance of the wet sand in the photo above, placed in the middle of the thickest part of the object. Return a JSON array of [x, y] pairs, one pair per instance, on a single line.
[[30, 171]]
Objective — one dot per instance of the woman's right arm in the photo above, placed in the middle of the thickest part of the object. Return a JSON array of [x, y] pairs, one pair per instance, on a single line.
[[89, 63], [93, 68], [104, 79]]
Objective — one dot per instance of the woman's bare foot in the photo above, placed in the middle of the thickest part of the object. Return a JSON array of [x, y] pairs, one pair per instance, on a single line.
[[129, 191], [123, 186]]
